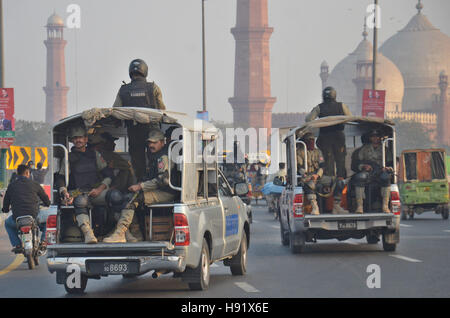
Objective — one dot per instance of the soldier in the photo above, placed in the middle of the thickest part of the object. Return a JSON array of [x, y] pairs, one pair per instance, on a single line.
[[155, 189], [124, 177], [370, 169], [139, 93], [313, 177], [331, 139], [89, 180]]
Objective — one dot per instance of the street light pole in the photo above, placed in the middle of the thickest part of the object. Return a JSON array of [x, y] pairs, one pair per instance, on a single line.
[[204, 55], [375, 45]]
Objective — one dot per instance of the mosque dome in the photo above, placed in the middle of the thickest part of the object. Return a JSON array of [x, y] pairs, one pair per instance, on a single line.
[[421, 52], [55, 20], [390, 78]]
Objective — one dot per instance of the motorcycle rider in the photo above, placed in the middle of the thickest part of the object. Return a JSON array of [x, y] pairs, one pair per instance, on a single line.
[[331, 140], [155, 189], [139, 93], [23, 197], [89, 180], [370, 169]]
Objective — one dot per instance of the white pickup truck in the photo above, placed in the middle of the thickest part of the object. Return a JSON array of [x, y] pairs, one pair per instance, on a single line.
[[298, 226], [206, 223]]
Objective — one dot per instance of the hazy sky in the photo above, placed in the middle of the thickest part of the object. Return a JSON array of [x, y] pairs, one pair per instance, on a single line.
[[167, 35]]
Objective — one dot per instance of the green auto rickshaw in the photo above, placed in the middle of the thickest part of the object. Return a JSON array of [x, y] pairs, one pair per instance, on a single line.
[[423, 182]]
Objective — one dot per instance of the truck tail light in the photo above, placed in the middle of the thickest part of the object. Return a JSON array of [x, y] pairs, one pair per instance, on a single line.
[[50, 234], [395, 203], [297, 207], [181, 228]]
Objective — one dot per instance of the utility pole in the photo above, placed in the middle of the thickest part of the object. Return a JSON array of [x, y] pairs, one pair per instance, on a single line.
[[3, 174], [375, 46], [204, 55]]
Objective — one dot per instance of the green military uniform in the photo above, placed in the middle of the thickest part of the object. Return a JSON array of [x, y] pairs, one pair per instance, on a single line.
[[372, 155]]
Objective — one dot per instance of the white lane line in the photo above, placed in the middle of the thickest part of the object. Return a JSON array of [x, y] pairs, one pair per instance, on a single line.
[[405, 225], [247, 287], [275, 227], [408, 259], [448, 231]]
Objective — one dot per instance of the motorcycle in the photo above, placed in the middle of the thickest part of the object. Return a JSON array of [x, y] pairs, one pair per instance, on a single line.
[[28, 232]]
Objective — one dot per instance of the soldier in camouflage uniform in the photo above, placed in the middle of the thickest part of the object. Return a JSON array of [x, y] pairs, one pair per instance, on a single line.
[[154, 189], [312, 178], [139, 93], [89, 180], [370, 169]]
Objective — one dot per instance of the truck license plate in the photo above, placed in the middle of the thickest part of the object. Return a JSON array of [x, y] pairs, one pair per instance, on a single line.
[[346, 225], [112, 267]]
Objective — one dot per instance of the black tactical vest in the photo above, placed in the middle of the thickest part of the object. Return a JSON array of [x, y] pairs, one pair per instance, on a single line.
[[331, 108], [83, 170], [138, 93]]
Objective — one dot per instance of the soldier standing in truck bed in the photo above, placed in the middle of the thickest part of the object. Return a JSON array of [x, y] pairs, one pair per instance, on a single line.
[[139, 93]]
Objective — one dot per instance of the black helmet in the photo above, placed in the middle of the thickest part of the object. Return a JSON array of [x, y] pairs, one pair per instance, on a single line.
[[329, 93], [138, 66]]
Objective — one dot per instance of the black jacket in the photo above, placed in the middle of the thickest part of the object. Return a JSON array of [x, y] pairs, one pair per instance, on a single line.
[[23, 196]]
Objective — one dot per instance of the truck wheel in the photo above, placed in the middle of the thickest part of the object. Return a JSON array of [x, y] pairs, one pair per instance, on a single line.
[[238, 263], [198, 278], [444, 213], [388, 247], [296, 243], [76, 290], [284, 235]]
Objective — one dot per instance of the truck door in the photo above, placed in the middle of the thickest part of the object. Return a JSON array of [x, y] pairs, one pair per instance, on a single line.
[[231, 215]]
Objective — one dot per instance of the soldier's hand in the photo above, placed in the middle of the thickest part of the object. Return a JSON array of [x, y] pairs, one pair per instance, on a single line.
[[315, 177], [67, 199], [135, 188], [95, 192]]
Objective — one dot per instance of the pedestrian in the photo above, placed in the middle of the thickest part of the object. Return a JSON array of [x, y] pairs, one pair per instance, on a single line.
[[38, 175], [139, 93]]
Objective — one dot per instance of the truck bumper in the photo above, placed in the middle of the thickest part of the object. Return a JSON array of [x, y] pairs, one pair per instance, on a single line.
[[147, 263]]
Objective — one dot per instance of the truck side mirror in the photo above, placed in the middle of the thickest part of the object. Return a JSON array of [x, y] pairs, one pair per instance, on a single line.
[[241, 189]]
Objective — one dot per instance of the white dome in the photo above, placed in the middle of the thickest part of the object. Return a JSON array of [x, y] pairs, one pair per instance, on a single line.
[[421, 52], [55, 20], [343, 74]]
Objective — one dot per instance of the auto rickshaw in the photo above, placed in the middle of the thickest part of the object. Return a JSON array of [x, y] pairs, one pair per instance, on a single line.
[[423, 182]]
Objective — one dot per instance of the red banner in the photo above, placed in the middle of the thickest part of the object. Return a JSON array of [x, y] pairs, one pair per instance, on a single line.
[[7, 122], [373, 103]]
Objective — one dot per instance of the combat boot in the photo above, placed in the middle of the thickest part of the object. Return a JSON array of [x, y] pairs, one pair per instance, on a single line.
[[126, 217], [385, 195], [85, 226], [359, 193], [337, 209], [315, 208], [133, 234]]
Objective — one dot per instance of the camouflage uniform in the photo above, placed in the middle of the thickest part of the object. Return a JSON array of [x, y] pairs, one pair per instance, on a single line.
[[373, 156]]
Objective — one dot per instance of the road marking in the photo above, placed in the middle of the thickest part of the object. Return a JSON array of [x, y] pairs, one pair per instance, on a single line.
[[448, 231], [405, 225], [408, 259], [246, 287], [275, 227], [16, 263]]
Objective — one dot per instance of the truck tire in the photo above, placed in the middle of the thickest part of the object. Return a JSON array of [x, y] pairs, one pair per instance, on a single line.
[[75, 290], [296, 243], [284, 235], [238, 263], [198, 278], [444, 213], [388, 247]]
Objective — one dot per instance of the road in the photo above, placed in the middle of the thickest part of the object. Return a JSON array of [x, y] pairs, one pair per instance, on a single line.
[[329, 268]]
